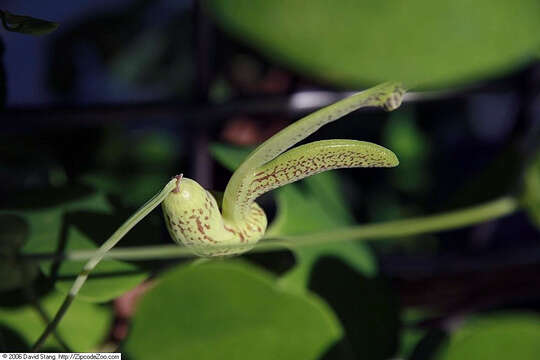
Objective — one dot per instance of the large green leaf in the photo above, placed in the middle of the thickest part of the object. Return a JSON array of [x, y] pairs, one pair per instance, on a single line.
[[421, 42], [228, 310], [51, 231], [495, 337], [82, 329]]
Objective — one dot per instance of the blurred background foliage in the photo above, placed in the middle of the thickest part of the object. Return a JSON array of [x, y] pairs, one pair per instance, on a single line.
[[425, 44], [100, 113]]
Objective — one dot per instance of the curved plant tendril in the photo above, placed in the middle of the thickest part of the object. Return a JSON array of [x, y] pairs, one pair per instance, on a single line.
[[456, 219], [96, 258], [194, 217]]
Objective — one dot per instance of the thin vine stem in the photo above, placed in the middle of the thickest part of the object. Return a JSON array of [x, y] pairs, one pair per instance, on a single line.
[[419, 225], [99, 254], [390, 229], [446, 221]]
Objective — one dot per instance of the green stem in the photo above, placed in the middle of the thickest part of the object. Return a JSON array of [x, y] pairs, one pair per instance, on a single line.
[[99, 254], [33, 300], [400, 228], [390, 229], [144, 252], [415, 226]]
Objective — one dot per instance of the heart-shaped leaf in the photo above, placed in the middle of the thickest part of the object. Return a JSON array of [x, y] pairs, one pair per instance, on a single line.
[[228, 310]]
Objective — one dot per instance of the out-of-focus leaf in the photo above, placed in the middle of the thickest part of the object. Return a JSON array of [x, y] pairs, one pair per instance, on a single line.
[[229, 156], [428, 344], [408, 340], [328, 188], [50, 232], [154, 58], [133, 190], [300, 212], [366, 307], [531, 193], [160, 55], [155, 148], [418, 343], [83, 327], [11, 341], [424, 43], [13, 235], [26, 24], [14, 273], [107, 281], [403, 136], [318, 206], [220, 91], [229, 310], [138, 55], [107, 32], [152, 150], [497, 178], [131, 167], [495, 337]]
